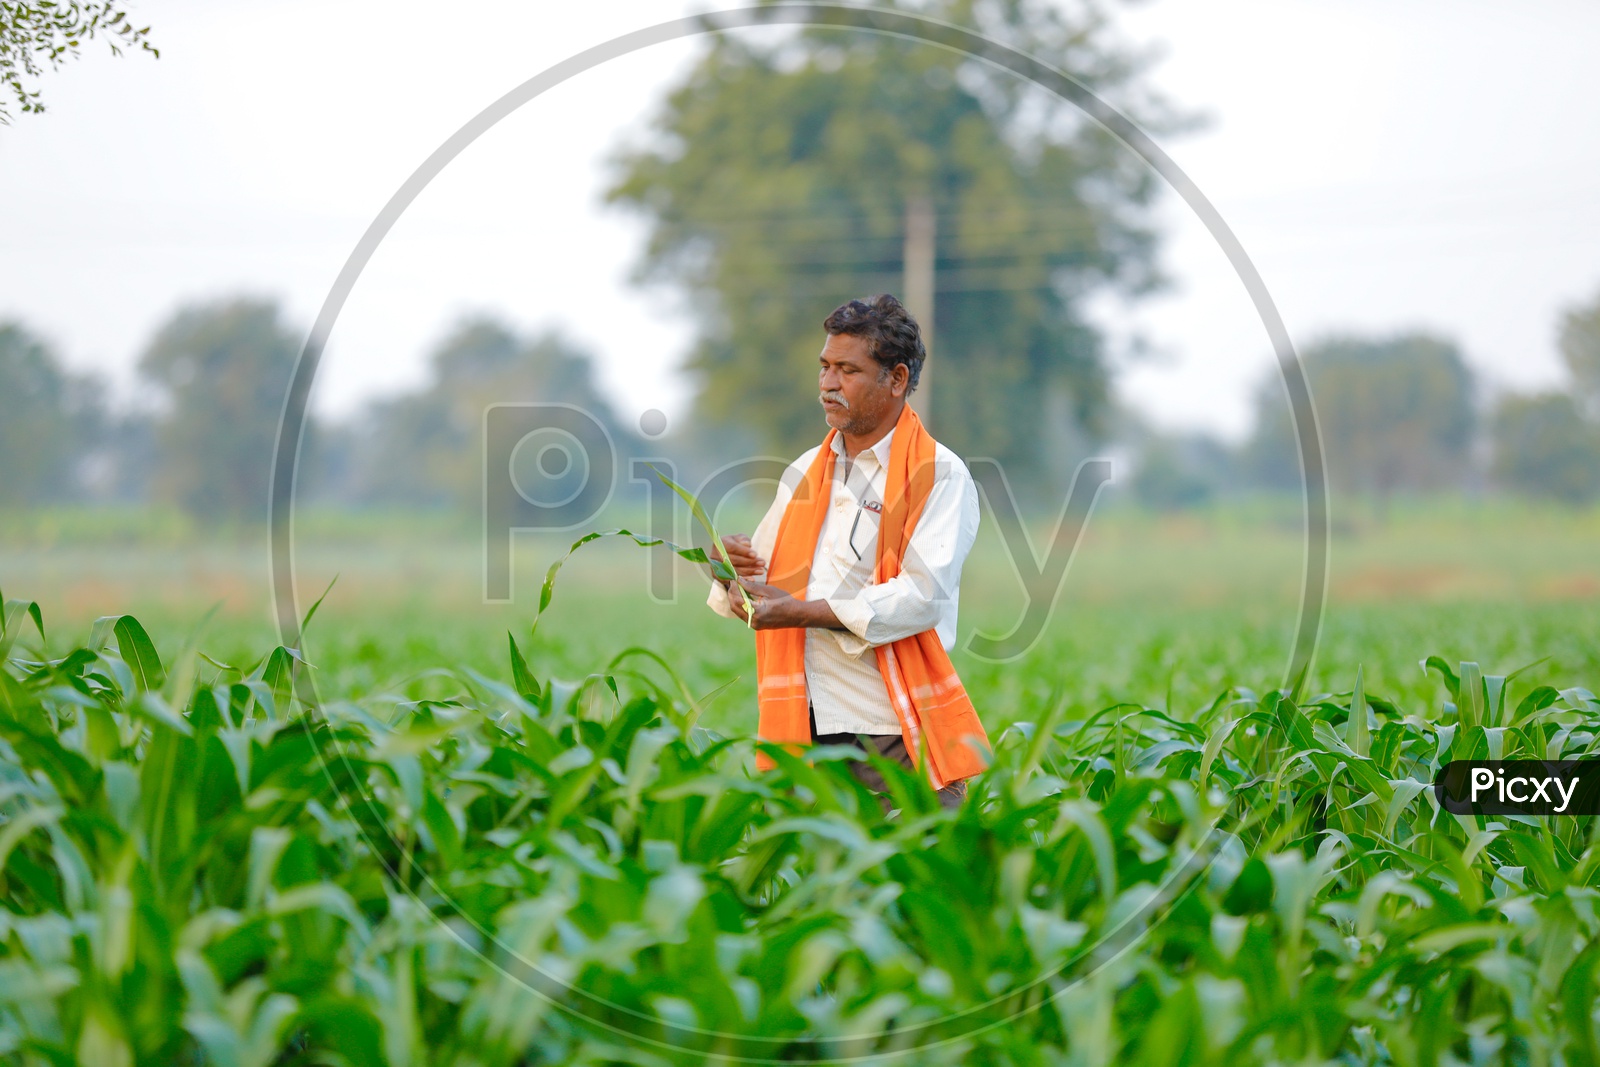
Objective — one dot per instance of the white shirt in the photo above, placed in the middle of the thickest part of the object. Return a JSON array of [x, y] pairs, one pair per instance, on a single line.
[[847, 692]]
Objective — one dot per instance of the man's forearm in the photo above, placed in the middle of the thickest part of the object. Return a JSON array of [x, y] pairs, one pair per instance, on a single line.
[[808, 613], [776, 609]]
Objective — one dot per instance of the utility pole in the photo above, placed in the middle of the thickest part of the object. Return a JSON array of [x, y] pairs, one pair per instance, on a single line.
[[918, 255]]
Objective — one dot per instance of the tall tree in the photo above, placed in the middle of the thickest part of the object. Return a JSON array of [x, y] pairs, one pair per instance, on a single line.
[[1396, 414], [1579, 340], [426, 447], [223, 369], [786, 177], [1544, 447], [49, 419], [33, 36]]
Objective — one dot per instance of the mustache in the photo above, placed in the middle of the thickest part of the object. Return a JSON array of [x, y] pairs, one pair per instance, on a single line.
[[837, 397]]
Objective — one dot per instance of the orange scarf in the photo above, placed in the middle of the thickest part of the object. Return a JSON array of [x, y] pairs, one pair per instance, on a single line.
[[927, 696]]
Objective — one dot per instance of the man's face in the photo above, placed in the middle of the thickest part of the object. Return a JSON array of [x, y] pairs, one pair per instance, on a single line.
[[856, 390]]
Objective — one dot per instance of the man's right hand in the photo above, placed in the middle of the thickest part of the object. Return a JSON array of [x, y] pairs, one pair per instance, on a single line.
[[743, 558]]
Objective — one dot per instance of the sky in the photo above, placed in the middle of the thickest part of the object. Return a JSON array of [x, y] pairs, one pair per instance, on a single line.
[[1387, 165]]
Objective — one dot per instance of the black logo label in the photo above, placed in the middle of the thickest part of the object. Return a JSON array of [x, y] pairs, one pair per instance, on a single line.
[[1519, 787]]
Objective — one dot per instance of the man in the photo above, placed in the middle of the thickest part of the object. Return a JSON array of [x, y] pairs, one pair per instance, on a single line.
[[861, 555]]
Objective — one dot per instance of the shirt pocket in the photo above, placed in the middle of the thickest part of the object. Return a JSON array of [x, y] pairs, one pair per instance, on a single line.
[[859, 545]]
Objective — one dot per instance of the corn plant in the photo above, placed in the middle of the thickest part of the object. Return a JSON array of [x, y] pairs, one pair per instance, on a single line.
[[198, 867]]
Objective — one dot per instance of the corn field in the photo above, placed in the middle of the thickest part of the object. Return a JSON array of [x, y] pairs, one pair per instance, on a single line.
[[202, 863]]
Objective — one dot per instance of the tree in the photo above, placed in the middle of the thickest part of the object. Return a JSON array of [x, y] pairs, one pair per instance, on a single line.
[[1396, 414], [35, 34], [1180, 471], [1544, 447], [49, 419], [122, 467], [426, 448], [223, 369], [786, 178], [1579, 341]]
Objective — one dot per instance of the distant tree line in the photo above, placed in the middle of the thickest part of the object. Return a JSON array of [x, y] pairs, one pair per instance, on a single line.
[[216, 375], [1398, 415], [1403, 414]]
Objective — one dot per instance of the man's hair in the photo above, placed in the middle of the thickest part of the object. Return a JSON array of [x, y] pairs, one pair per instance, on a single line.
[[888, 327]]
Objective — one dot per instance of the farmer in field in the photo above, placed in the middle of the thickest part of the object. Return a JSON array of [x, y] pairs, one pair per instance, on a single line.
[[854, 572]]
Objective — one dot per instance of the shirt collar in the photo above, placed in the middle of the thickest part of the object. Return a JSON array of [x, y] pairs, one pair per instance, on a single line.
[[880, 451]]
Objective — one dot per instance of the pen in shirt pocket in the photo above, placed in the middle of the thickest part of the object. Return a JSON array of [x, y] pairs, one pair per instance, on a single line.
[[866, 505]]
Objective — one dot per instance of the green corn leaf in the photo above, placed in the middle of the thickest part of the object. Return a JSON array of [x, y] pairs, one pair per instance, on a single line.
[[522, 679], [1448, 676], [1469, 697], [153, 708], [1494, 703], [11, 623], [1386, 884], [277, 672], [139, 652], [20, 826], [1356, 731], [1536, 701], [311, 614], [1578, 993], [134, 647], [547, 590], [726, 571], [441, 828], [1212, 749], [1083, 816], [1451, 937], [1294, 723], [1034, 753], [695, 708], [1405, 791]]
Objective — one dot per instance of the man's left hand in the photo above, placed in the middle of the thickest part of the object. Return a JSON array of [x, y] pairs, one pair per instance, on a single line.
[[775, 609], [771, 605]]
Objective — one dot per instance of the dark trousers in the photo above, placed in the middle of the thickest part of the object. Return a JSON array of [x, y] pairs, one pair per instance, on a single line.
[[890, 746]]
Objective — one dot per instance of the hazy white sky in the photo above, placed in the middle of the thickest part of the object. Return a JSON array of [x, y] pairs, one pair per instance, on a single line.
[[1387, 163]]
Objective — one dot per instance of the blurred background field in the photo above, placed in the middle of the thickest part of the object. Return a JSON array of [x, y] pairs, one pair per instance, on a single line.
[[720, 195], [1167, 609]]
